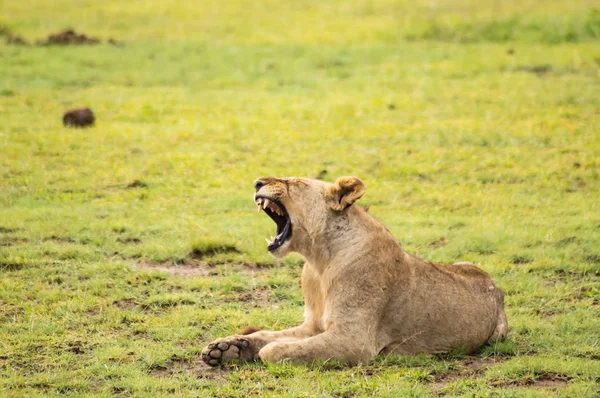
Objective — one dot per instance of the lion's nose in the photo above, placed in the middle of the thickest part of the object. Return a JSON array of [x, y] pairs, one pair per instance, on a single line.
[[258, 184]]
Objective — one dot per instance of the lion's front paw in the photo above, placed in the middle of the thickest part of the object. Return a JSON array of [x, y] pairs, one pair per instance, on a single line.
[[274, 352], [227, 349]]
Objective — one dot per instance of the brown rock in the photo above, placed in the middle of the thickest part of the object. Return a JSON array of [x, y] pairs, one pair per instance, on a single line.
[[83, 117], [68, 37]]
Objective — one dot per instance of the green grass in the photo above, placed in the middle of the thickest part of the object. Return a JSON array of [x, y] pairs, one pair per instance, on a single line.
[[475, 125]]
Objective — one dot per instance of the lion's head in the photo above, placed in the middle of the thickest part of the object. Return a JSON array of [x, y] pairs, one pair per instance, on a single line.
[[303, 208]]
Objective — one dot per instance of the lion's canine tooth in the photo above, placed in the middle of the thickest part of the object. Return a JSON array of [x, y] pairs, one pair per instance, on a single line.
[[268, 241], [267, 203], [259, 207]]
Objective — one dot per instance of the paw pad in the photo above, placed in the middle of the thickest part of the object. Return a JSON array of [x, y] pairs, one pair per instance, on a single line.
[[218, 352]]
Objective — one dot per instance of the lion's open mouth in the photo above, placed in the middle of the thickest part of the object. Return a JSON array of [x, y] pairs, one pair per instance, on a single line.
[[277, 212]]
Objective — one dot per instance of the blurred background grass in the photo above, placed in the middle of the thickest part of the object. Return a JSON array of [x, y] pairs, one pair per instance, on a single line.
[[473, 123]]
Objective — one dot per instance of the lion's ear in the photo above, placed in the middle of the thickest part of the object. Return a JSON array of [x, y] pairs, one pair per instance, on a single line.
[[344, 191]]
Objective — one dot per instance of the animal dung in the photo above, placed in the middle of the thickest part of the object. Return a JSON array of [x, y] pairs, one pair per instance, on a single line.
[[68, 37], [83, 117]]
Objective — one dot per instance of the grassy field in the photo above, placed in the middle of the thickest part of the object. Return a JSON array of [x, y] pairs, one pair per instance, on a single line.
[[125, 248]]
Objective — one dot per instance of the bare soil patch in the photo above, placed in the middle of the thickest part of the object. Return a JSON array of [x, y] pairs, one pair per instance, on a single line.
[[137, 184], [8, 230], [211, 251], [478, 364], [190, 267], [520, 259], [126, 304], [129, 241], [538, 70], [16, 40], [68, 37], [471, 368], [7, 241], [11, 265], [256, 298], [592, 258], [254, 266], [195, 266], [441, 242], [546, 380], [62, 239], [195, 365]]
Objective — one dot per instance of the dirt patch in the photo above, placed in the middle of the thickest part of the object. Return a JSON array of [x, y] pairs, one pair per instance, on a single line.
[[256, 298], [592, 258], [68, 37], [194, 265], [470, 368], [116, 43], [195, 366], [12, 241], [538, 70], [580, 274], [125, 304], [442, 380], [590, 355], [62, 239], [441, 242], [130, 241], [190, 267], [76, 347], [95, 310], [254, 266], [137, 184], [477, 364], [334, 63], [545, 380], [566, 241], [520, 259], [15, 40], [7, 230], [200, 253], [11, 265]]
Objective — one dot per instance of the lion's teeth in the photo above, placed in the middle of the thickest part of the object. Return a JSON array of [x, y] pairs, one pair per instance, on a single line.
[[259, 207], [267, 203], [268, 241]]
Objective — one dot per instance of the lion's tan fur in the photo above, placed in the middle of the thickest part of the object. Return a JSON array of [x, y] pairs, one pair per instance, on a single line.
[[365, 295]]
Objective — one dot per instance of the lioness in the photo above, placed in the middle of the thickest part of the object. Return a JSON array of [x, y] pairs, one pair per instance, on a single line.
[[363, 294]]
